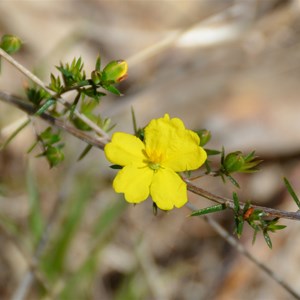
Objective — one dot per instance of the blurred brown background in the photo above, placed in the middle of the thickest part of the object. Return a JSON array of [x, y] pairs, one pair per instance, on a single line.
[[232, 67]]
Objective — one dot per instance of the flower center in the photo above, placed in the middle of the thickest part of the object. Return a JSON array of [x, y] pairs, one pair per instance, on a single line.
[[155, 159], [153, 166]]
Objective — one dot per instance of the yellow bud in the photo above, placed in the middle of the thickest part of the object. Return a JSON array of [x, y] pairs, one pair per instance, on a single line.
[[115, 71]]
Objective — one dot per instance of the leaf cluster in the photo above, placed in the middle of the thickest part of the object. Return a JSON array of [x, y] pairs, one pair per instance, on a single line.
[[72, 77], [256, 218], [88, 94], [52, 146]]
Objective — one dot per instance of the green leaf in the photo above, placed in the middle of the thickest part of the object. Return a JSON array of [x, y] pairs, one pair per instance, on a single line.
[[207, 166], [208, 210], [93, 93], [72, 74], [86, 150], [36, 95], [116, 167], [239, 223], [135, 129], [274, 227], [45, 106], [236, 203], [112, 89], [86, 108], [55, 84], [98, 63], [141, 134], [106, 125], [291, 192], [54, 155], [48, 137], [154, 208], [267, 239], [32, 147], [212, 152], [238, 218], [255, 235], [233, 181], [10, 43]]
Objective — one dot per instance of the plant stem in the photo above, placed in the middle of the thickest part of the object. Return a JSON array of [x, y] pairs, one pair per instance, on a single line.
[[29, 109], [269, 212]]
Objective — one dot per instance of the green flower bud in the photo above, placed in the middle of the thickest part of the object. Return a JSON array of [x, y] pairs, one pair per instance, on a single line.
[[234, 162], [10, 43], [204, 136], [115, 71]]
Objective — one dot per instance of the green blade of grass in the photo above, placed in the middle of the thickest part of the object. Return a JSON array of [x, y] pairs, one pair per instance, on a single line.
[[35, 218], [53, 261]]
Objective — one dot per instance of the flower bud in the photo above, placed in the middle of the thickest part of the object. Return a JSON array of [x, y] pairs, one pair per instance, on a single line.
[[234, 162], [204, 136], [10, 43], [115, 71]]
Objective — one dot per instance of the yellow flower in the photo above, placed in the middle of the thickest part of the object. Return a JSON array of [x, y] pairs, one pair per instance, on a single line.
[[150, 167]]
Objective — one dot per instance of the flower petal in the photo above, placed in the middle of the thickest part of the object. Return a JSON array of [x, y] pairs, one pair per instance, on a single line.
[[168, 189], [178, 147], [125, 149], [189, 156], [134, 182]]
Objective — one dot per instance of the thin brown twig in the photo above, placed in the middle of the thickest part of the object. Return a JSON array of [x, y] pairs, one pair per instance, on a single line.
[[29, 109], [269, 212]]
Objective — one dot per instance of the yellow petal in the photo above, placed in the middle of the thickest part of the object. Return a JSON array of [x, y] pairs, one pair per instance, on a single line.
[[168, 189], [177, 146], [134, 182], [125, 149], [189, 155]]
